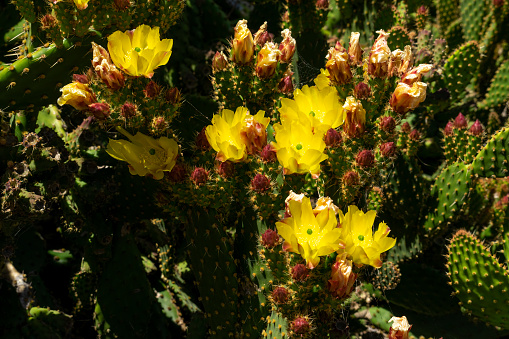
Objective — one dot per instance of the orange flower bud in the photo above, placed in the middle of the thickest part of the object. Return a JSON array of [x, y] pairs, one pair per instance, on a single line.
[[267, 59], [105, 68], [337, 65], [355, 117], [354, 48], [286, 84], [378, 60], [287, 46], [219, 62], [242, 44], [406, 98], [342, 278], [77, 95], [415, 74]]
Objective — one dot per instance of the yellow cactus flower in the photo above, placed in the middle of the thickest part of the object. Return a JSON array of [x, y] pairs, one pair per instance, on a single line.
[[322, 80], [76, 94], [81, 4], [320, 107], [298, 149], [243, 46], [407, 97], [231, 134], [145, 155], [360, 243], [309, 235], [139, 51]]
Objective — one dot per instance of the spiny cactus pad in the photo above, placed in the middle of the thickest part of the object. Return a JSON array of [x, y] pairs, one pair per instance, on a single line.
[[479, 280], [498, 92], [493, 160], [459, 65]]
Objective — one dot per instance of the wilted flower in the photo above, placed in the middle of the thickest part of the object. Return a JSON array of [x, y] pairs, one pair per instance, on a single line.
[[400, 328], [139, 51], [406, 98], [76, 94], [415, 74], [243, 44], [355, 117], [287, 46], [253, 132], [266, 61], [407, 60], [395, 62], [145, 155], [342, 277], [354, 48], [105, 69], [362, 245], [337, 65], [378, 60], [308, 234]]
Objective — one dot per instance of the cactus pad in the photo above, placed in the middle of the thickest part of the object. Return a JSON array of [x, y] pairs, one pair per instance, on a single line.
[[492, 160], [462, 62]]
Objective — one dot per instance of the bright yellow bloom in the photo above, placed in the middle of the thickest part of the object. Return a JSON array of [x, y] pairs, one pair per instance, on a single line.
[[320, 107], [139, 51], [76, 94], [298, 149], [231, 134], [322, 80], [145, 155], [81, 4], [361, 244], [309, 235]]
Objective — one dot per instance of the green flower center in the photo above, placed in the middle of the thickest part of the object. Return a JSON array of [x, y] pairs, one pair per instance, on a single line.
[[152, 151], [137, 49], [361, 237], [312, 113], [298, 147], [153, 158], [309, 231]]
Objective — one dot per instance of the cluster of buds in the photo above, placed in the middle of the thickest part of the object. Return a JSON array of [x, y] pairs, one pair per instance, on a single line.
[[461, 123]]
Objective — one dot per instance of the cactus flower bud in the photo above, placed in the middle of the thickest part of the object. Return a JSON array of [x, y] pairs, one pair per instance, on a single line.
[[460, 122], [105, 69], [476, 129], [268, 154], [128, 110], [300, 272], [219, 62], [498, 3], [100, 110], [266, 61], [280, 295], [365, 158], [322, 4], [388, 149], [406, 98], [415, 74], [173, 96], [80, 78], [388, 124], [400, 328], [301, 326], [448, 130], [260, 183], [354, 48], [287, 47], [342, 279], [77, 95], [201, 140], [351, 178], [378, 60], [355, 117], [337, 65], [362, 90], [122, 5], [226, 169], [414, 135], [332, 138], [242, 44], [178, 173], [286, 84], [200, 176], [406, 128], [270, 238], [262, 36], [48, 21], [152, 90], [158, 124]]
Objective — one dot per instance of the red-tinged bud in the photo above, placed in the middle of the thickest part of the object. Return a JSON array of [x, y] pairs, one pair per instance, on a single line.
[[270, 238], [159, 124], [406, 98], [460, 122], [332, 138], [498, 3], [337, 65], [406, 128], [80, 78], [423, 10], [378, 60], [362, 90], [243, 44], [266, 60], [400, 328], [268, 154], [219, 62], [342, 279], [122, 5], [415, 135], [415, 74], [301, 326], [48, 21], [128, 110], [173, 96], [476, 129], [388, 124], [200, 176], [355, 117], [351, 178], [152, 90], [300, 272], [262, 36], [322, 4], [178, 173], [286, 84], [388, 149], [260, 183], [448, 130], [365, 158], [226, 169], [287, 47], [105, 69], [202, 141], [354, 49], [280, 295], [100, 110]]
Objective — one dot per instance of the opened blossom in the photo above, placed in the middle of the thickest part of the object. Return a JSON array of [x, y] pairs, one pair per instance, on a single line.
[[140, 51], [407, 97], [77, 94]]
